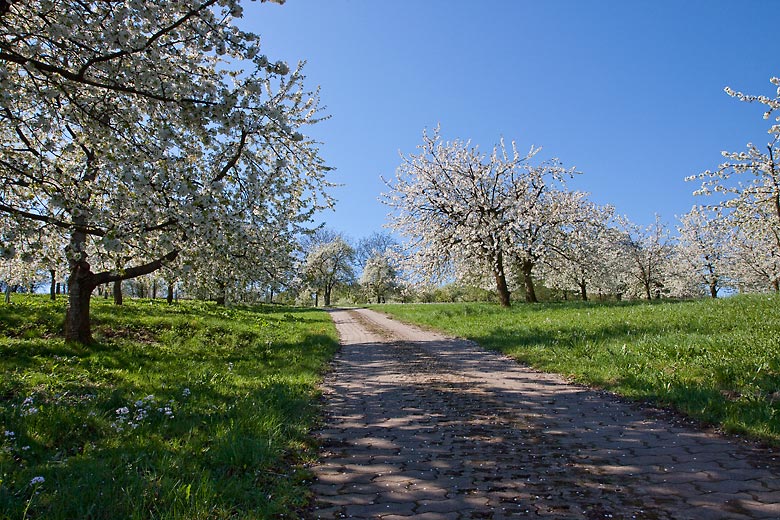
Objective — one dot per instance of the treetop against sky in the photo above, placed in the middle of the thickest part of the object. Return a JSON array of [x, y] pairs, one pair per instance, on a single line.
[[631, 94]]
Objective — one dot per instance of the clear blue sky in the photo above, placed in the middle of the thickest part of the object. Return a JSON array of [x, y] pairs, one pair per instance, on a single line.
[[629, 92]]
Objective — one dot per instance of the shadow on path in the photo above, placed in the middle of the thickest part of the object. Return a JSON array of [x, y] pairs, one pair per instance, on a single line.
[[423, 426]]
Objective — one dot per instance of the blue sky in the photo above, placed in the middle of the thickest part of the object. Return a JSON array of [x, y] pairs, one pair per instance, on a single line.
[[629, 92]]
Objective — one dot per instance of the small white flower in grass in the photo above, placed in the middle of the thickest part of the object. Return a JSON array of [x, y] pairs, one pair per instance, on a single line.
[[166, 411], [28, 408], [186, 392], [37, 481], [10, 434]]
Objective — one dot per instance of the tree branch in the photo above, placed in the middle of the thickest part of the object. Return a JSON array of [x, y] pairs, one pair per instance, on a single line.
[[233, 160], [149, 42], [162, 225], [51, 220], [75, 77], [134, 272]]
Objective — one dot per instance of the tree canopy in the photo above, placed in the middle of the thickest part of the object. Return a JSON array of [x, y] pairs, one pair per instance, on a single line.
[[460, 208], [143, 130]]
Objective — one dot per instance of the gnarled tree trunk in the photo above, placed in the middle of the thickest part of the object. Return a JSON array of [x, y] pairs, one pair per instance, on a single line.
[[81, 283], [527, 267], [504, 296], [583, 290]]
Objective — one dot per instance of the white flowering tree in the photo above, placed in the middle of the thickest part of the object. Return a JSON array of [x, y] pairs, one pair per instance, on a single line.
[[379, 243], [648, 251], [457, 206], [701, 252], [617, 278], [18, 272], [379, 277], [754, 260], [328, 265], [133, 127], [539, 229], [232, 271], [580, 257], [747, 184], [34, 250]]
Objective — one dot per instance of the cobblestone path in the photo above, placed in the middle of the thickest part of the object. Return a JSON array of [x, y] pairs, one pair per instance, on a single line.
[[419, 425]]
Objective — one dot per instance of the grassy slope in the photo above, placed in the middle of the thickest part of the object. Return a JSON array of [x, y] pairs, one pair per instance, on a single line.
[[717, 361], [188, 411]]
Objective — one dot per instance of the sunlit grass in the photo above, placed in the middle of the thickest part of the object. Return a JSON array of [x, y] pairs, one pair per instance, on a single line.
[[177, 412], [715, 360]]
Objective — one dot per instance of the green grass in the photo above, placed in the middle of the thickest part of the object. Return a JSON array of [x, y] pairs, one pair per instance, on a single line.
[[176, 412], [717, 361]]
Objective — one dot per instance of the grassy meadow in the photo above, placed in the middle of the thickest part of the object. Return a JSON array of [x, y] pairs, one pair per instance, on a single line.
[[717, 361], [187, 411]]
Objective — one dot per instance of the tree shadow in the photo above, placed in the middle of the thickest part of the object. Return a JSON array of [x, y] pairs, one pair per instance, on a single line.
[[440, 427]]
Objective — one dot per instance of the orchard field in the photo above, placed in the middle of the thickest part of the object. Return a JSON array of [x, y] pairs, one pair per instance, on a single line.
[[717, 361], [186, 411], [202, 411]]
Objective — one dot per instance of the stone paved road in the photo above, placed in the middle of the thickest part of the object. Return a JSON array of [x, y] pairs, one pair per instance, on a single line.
[[423, 426]]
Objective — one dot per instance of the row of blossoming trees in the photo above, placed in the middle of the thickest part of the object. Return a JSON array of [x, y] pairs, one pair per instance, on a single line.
[[507, 219], [146, 139]]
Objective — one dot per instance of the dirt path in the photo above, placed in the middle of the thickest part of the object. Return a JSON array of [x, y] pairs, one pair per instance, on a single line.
[[428, 427]]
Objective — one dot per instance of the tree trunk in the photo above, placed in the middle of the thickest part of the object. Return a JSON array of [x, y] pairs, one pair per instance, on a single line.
[[154, 290], [222, 293], [326, 296], [81, 283], [583, 290], [169, 296], [316, 299], [714, 289], [59, 288], [648, 294], [53, 287], [118, 292], [8, 293], [503, 290], [527, 267], [501, 286], [80, 286]]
